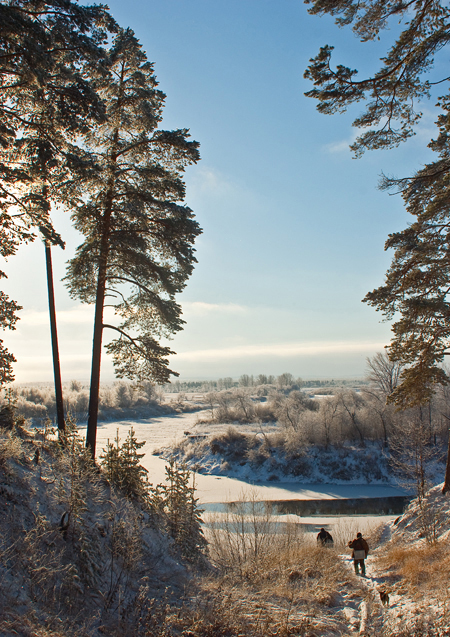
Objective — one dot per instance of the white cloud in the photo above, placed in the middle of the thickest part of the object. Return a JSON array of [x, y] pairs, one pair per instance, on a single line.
[[76, 315], [200, 308], [339, 147], [282, 350], [83, 315], [342, 146], [208, 180], [47, 359]]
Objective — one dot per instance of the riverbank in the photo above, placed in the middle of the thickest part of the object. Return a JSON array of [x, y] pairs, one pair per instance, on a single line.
[[263, 453], [168, 431]]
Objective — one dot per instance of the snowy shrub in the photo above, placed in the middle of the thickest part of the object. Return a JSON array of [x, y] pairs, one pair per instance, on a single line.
[[242, 541], [258, 455], [28, 409], [124, 395], [181, 515], [75, 386], [371, 466], [121, 465], [10, 447], [264, 412], [300, 466], [77, 478], [34, 395], [232, 444], [7, 412], [76, 402]]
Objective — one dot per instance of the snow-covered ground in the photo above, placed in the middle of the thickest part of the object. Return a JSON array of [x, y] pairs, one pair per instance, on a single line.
[[362, 606]]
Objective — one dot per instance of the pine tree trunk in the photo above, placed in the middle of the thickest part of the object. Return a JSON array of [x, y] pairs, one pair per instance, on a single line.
[[446, 486], [54, 335], [91, 432]]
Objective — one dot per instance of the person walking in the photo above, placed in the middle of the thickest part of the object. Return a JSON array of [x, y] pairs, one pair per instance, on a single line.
[[324, 538], [359, 553]]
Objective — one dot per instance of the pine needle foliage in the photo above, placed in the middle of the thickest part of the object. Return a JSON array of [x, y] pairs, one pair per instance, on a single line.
[[46, 99], [393, 91], [417, 283], [8, 320], [176, 500], [121, 465], [138, 248], [77, 477]]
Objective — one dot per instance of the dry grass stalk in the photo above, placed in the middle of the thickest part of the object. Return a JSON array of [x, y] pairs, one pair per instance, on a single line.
[[281, 583], [421, 569]]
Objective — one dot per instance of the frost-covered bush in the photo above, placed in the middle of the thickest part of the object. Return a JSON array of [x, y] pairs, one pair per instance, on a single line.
[[121, 465], [115, 401], [28, 409], [238, 405], [175, 500], [76, 402], [300, 466], [232, 444], [258, 455], [10, 447]]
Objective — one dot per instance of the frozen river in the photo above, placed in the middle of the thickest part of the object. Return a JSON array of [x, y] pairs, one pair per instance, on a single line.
[[162, 431]]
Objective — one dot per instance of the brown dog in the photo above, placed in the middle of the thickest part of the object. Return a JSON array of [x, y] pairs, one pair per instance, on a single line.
[[384, 596]]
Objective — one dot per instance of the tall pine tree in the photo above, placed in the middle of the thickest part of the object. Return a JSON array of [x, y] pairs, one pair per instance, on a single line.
[[138, 248], [46, 98], [416, 291], [417, 284]]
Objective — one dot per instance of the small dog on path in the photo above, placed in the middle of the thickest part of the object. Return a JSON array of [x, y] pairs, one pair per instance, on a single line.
[[384, 596]]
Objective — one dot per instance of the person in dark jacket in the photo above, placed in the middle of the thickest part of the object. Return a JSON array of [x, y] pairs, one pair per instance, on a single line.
[[359, 553], [324, 538]]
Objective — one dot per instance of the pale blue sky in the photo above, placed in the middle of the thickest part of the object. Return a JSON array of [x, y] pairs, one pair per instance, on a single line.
[[294, 227]]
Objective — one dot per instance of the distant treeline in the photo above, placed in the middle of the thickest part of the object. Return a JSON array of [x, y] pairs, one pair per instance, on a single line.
[[283, 380]]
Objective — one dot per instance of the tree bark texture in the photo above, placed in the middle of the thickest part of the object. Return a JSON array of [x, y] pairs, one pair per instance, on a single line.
[[91, 432], [54, 335], [446, 486]]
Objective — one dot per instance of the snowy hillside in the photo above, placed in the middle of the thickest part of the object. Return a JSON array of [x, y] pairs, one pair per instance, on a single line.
[[76, 556]]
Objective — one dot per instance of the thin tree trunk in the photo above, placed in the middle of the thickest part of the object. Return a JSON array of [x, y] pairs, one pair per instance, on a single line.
[[446, 486], [91, 432], [384, 430], [54, 334]]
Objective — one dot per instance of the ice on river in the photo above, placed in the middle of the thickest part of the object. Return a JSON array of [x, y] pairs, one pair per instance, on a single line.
[[162, 431]]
